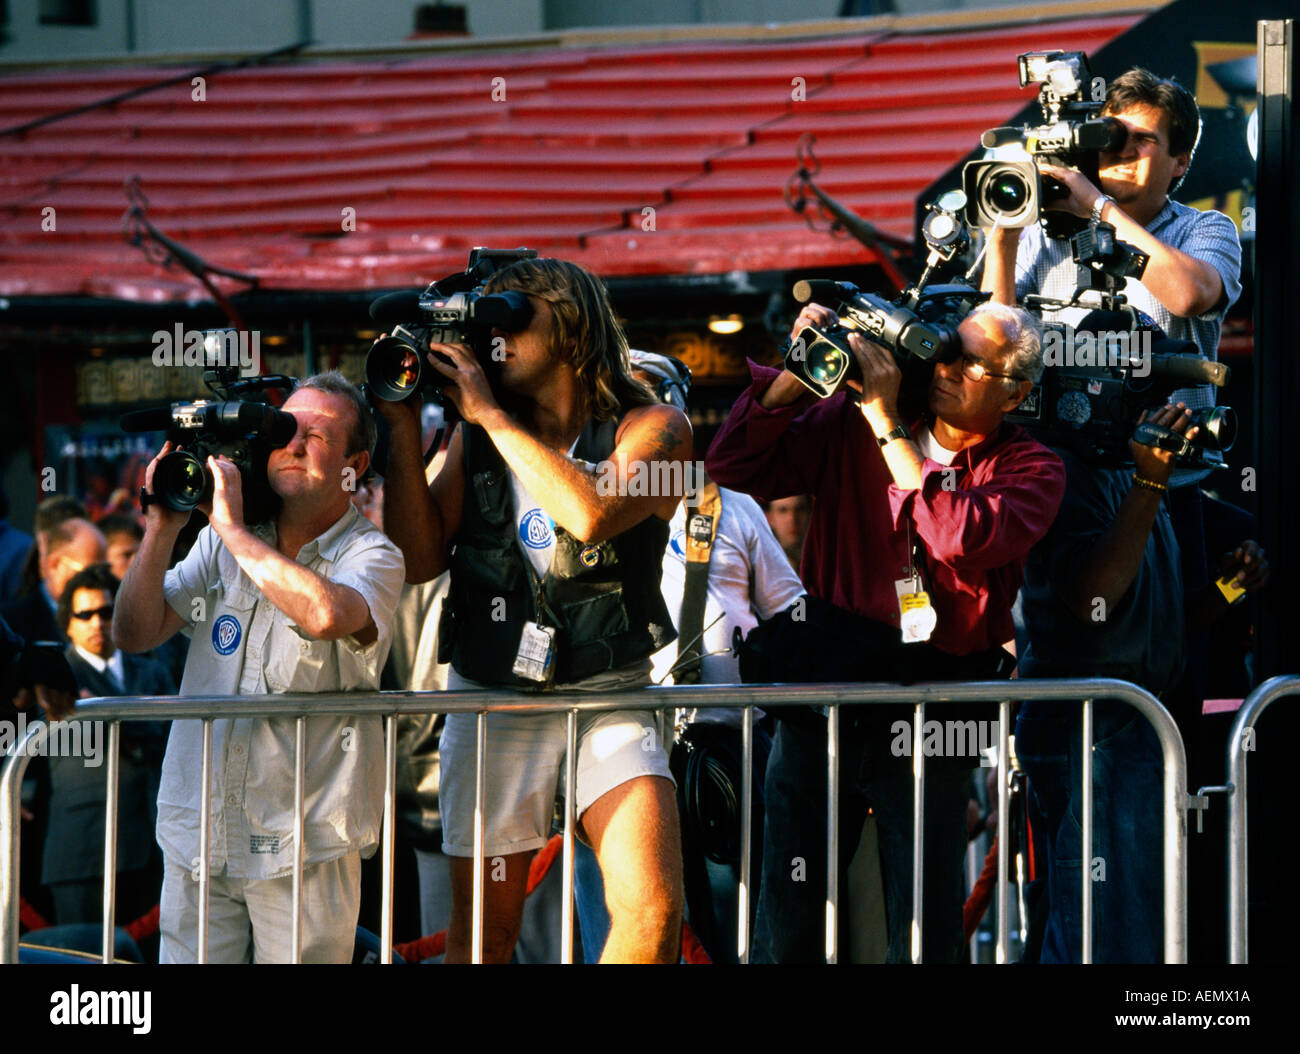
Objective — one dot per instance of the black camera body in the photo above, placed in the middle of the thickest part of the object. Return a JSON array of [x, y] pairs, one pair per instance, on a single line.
[[452, 310], [1102, 374], [920, 326], [1091, 403], [1072, 135], [242, 431]]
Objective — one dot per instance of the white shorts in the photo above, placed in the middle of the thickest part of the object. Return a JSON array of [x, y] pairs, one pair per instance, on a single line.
[[524, 772]]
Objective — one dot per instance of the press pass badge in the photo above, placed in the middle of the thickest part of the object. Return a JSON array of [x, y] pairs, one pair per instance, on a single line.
[[536, 653], [1233, 592], [916, 615]]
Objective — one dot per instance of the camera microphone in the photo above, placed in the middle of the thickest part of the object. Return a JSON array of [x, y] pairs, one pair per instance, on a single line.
[[1190, 369], [996, 137], [822, 290], [155, 419], [396, 308]]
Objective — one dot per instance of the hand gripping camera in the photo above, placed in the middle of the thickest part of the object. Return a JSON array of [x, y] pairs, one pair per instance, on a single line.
[[1010, 193]]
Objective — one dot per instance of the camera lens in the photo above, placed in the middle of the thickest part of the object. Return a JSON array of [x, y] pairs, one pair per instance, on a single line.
[[826, 363], [1218, 427], [180, 481], [1007, 192], [393, 369]]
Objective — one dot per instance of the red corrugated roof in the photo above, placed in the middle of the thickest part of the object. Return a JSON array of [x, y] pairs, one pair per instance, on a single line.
[[256, 178]]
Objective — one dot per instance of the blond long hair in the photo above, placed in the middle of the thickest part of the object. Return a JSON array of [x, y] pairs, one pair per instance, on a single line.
[[585, 334]]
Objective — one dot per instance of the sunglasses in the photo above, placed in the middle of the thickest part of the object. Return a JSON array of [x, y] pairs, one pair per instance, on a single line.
[[106, 612]]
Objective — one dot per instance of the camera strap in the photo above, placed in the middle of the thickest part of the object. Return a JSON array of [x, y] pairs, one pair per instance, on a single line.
[[703, 513]]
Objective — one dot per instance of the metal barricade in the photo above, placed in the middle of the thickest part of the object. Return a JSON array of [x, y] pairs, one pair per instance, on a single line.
[[1241, 743], [831, 696]]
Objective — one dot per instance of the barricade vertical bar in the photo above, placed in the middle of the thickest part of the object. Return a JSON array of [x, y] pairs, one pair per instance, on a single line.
[[918, 827], [13, 763], [205, 839], [299, 830], [1175, 842], [1086, 848], [570, 822], [390, 839], [1004, 829], [746, 823], [110, 837], [480, 757], [1238, 845], [832, 831]]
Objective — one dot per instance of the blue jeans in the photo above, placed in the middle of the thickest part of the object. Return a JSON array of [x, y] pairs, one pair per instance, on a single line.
[[792, 895], [1126, 866]]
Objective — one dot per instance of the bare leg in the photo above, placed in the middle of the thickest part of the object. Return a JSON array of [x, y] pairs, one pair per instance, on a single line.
[[634, 831], [503, 906]]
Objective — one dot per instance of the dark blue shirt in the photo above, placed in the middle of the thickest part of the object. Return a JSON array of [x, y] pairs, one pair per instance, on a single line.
[[1140, 638]]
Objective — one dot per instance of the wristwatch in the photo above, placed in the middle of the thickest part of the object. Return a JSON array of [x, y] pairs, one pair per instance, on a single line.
[[1099, 206], [900, 432]]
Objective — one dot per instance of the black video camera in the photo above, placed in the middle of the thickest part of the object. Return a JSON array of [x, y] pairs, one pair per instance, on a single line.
[[1103, 373], [1072, 135], [919, 326], [243, 431], [453, 310]]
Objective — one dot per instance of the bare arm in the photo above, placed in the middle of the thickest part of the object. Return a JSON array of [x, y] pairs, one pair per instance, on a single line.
[[1000, 265], [421, 518], [322, 609], [1188, 287], [654, 441], [142, 618]]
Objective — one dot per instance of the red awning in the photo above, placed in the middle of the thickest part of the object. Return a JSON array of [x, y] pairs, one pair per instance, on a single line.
[[257, 177]]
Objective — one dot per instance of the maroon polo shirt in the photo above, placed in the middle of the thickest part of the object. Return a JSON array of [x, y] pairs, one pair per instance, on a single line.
[[975, 525]]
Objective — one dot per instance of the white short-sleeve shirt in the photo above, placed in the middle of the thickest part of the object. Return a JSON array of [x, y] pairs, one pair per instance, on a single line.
[[241, 644]]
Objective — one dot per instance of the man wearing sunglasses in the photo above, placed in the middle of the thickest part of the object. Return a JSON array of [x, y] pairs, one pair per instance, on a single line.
[[919, 530], [73, 864]]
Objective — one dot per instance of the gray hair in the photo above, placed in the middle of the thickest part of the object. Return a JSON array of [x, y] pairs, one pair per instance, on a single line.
[[1024, 336], [362, 435]]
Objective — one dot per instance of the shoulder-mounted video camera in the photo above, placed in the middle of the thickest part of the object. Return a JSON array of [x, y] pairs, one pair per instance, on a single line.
[[242, 430], [919, 326], [1011, 193], [452, 310], [1115, 363]]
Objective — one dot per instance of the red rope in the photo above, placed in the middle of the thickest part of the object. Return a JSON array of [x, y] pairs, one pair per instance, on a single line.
[[436, 943], [982, 893]]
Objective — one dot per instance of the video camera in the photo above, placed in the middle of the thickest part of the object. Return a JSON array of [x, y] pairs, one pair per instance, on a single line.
[[920, 325], [1115, 363], [244, 431], [452, 310], [1073, 133]]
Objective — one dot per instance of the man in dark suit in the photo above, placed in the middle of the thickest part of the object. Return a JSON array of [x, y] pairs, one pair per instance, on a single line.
[[70, 546], [73, 865]]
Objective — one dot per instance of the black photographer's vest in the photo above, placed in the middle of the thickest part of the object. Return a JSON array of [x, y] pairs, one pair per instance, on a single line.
[[603, 600]]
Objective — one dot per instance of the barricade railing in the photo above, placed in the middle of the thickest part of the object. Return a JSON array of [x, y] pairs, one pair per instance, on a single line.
[[390, 705], [1240, 744]]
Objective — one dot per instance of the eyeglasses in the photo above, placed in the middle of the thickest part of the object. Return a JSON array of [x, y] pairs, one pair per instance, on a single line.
[[106, 612], [977, 371]]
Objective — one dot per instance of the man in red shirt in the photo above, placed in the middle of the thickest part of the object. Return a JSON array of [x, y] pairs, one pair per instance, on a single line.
[[912, 562]]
